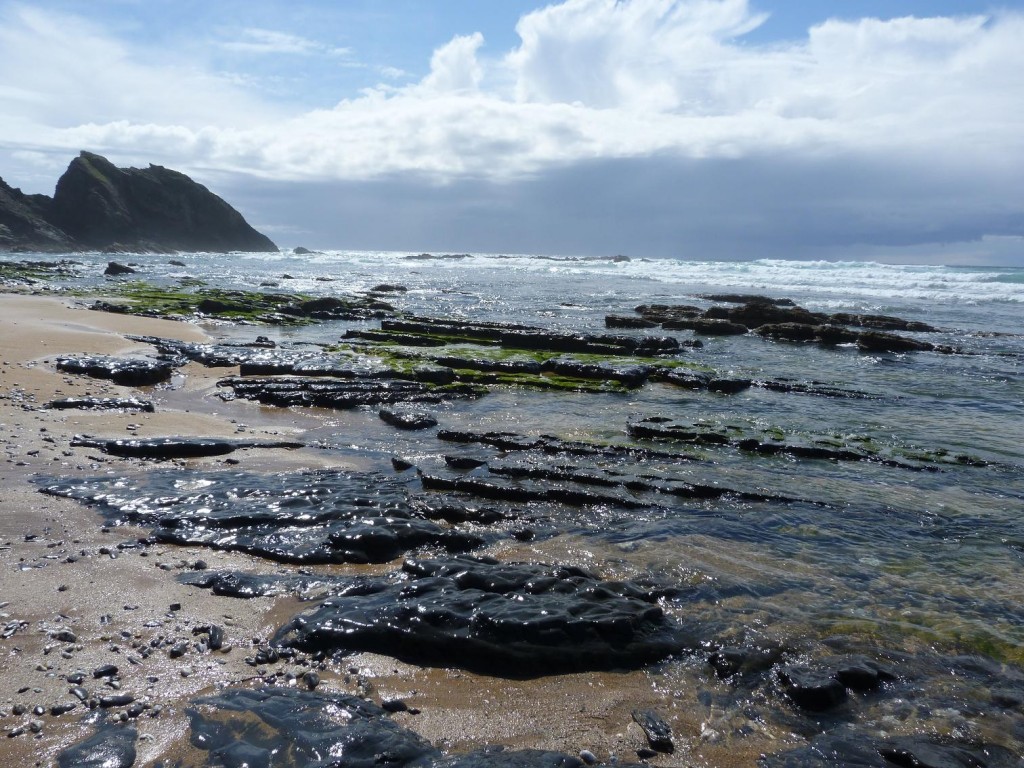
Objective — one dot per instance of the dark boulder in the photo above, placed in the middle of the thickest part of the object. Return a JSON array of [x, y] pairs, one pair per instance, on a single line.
[[114, 269], [788, 331], [657, 731], [755, 314], [127, 372], [661, 313], [513, 620], [810, 688], [878, 341], [851, 748], [405, 419], [623, 321], [709, 327], [290, 727], [112, 746], [881, 322]]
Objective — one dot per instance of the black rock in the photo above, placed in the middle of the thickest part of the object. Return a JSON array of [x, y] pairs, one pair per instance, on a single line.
[[512, 620], [300, 728], [112, 746], [657, 731], [116, 700], [102, 403], [25, 221], [316, 517], [707, 326], [810, 688], [621, 321], [113, 269], [403, 419], [878, 341], [164, 448], [98, 205], [129, 372], [854, 749]]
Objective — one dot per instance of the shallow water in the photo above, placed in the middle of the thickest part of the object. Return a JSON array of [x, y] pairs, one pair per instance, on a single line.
[[921, 559]]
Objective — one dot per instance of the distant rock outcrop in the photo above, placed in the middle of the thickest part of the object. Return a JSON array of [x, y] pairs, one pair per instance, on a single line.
[[99, 206]]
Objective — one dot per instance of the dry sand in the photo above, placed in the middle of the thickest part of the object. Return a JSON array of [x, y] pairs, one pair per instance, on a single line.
[[60, 571]]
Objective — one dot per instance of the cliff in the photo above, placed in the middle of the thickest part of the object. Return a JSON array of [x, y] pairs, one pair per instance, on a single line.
[[97, 206]]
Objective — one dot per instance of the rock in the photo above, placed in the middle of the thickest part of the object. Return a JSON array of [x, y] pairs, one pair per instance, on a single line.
[[657, 731], [878, 341], [316, 517], [388, 288], [113, 269], [709, 327], [662, 313], [513, 620], [124, 371], [854, 749], [246, 727], [412, 420], [341, 394], [810, 688], [745, 298], [301, 251], [112, 746], [164, 448], [98, 204], [25, 221], [102, 403], [620, 321], [881, 322]]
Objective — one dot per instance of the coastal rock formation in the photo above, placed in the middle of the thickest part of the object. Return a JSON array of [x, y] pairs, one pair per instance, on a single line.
[[24, 221], [514, 620], [99, 206]]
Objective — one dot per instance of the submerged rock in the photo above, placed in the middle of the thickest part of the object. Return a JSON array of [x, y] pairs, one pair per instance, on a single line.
[[112, 746], [404, 419], [315, 517], [163, 448], [854, 749], [292, 728], [514, 620]]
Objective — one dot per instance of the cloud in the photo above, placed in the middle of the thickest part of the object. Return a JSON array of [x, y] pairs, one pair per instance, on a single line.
[[889, 123], [604, 79], [264, 42], [70, 72]]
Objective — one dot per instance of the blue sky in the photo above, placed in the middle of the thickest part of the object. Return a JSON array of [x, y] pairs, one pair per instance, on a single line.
[[688, 128]]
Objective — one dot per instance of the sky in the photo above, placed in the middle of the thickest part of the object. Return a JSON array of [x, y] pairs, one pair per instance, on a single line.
[[698, 129]]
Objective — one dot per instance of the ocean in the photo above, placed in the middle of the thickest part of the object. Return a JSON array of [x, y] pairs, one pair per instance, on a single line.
[[911, 545]]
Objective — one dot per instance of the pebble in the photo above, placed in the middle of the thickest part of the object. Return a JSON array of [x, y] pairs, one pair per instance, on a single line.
[[588, 757]]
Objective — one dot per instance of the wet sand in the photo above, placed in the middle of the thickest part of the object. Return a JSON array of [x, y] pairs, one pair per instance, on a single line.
[[62, 572]]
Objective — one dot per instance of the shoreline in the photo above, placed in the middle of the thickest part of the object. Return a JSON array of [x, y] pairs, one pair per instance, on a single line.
[[80, 595], [62, 571]]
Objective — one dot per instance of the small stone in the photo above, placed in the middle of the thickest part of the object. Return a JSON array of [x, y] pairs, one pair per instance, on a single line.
[[106, 670], [588, 757]]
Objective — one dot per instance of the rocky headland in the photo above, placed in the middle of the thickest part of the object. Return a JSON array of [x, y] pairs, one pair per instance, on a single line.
[[98, 206]]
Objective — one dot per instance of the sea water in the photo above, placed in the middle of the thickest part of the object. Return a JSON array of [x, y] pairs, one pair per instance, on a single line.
[[914, 559]]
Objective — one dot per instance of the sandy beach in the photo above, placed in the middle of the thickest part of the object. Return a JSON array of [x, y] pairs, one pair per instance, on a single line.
[[77, 596]]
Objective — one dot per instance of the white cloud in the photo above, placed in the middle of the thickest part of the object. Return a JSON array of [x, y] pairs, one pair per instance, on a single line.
[[64, 72], [270, 42], [591, 80]]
